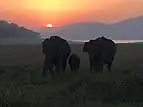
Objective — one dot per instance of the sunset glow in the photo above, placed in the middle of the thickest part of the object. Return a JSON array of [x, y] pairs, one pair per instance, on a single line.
[[36, 13], [49, 25]]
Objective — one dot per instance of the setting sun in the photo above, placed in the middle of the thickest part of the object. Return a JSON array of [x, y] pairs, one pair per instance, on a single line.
[[36, 13], [49, 25]]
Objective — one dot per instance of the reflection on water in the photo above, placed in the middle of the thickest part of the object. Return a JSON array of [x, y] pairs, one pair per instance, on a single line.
[[127, 41], [116, 41]]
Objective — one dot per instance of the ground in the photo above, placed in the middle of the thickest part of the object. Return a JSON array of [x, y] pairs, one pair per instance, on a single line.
[[22, 84]]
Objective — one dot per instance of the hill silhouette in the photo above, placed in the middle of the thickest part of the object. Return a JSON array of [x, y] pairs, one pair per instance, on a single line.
[[11, 33], [10, 30]]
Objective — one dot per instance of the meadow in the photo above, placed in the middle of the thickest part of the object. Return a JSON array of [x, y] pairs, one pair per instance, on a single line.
[[22, 84]]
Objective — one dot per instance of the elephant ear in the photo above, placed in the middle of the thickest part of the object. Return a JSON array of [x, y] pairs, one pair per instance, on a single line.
[[45, 46], [85, 47]]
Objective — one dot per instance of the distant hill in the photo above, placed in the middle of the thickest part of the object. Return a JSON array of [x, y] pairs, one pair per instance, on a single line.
[[129, 29], [11, 33]]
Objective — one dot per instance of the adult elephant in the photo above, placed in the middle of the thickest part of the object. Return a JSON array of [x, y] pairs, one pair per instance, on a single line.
[[57, 51], [101, 51]]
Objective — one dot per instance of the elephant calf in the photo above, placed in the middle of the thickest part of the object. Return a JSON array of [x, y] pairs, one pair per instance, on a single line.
[[74, 62]]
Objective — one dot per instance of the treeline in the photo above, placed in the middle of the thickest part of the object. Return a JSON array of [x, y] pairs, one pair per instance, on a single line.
[[11, 30]]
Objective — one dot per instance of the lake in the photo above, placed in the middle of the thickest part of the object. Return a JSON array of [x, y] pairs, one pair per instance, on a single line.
[[29, 41], [116, 41]]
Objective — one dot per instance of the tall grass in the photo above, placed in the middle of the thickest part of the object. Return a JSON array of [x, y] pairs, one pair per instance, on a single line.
[[22, 84]]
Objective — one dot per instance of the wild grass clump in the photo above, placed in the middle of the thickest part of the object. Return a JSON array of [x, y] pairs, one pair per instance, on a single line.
[[22, 84]]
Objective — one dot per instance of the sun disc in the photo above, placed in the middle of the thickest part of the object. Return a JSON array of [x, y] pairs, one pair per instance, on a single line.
[[49, 25]]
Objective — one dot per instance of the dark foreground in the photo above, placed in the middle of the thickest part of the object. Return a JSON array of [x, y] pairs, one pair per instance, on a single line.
[[22, 85]]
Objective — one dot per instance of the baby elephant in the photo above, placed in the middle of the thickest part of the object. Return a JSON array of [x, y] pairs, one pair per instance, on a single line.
[[74, 62]]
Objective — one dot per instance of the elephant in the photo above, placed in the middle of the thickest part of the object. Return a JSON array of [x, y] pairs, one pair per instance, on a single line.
[[74, 63], [56, 51], [101, 51]]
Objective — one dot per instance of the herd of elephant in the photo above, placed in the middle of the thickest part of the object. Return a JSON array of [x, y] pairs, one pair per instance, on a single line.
[[57, 51]]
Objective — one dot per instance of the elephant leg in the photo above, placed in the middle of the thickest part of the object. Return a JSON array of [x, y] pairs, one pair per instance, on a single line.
[[98, 66], [95, 65], [71, 68], [109, 67], [91, 65], [44, 70], [51, 71], [101, 66], [45, 67], [64, 63], [77, 69], [58, 66], [48, 66]]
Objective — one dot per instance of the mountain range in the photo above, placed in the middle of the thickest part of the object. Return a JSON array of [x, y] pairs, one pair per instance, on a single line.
[[11, 33], [128, 29]]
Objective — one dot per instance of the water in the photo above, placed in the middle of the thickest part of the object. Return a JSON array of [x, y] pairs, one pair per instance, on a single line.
[[35, 41], [116, 41]]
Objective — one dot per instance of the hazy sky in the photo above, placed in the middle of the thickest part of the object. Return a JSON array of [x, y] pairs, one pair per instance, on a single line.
[[37, 13]]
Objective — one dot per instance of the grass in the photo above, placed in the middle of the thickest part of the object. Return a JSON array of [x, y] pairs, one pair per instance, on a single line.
[[22, 85]]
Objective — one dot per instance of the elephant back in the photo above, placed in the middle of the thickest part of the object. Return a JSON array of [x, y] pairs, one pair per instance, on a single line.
[[101, 46], [108, 49], [61, 46]]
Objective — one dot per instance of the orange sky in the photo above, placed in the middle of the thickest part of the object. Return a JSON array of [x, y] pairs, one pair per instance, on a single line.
[[37, 13]]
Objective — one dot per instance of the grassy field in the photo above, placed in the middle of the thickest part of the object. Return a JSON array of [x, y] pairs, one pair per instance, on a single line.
[[22, 85]]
